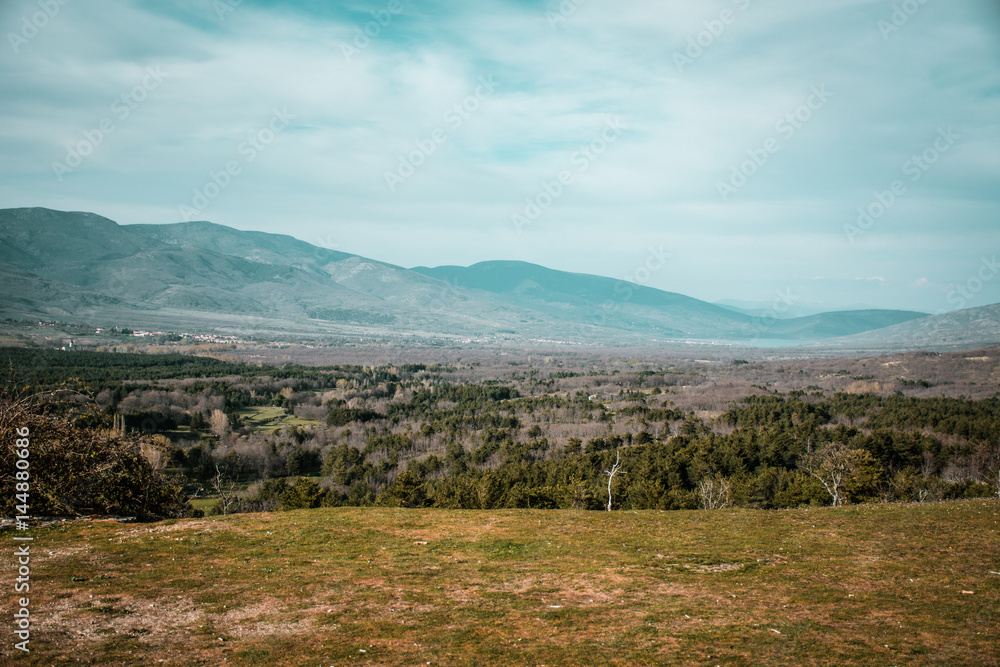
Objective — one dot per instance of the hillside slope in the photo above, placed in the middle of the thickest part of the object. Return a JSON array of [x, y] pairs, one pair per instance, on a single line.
[[968, 328], [76, 265]]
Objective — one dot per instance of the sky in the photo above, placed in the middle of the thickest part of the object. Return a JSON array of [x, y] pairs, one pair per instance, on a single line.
[[781, 153]]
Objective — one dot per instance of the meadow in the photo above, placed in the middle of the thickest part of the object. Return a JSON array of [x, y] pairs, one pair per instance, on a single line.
[[881, 584]]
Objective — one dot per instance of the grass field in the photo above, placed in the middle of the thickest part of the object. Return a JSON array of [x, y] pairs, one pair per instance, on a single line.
[[861, 585], [270, 418], [204, 504]]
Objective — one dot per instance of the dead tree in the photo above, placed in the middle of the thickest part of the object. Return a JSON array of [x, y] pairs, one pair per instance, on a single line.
[[714, 493], [226, 488], [615, 469]]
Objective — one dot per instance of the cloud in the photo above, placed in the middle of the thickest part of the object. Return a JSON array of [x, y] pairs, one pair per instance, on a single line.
[[359, 110]]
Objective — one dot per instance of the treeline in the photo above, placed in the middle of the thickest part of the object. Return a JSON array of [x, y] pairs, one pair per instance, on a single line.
[[43, 368], [145, 386], [783, 452], [766, 460]]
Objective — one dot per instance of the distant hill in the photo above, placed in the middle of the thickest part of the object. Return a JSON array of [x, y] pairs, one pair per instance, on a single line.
[[628, 305], [841, 323], [789, 310], [596, 299], [82, 267], [963, 329]]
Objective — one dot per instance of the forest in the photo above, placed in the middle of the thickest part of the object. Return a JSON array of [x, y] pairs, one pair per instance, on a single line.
[[235, 437]]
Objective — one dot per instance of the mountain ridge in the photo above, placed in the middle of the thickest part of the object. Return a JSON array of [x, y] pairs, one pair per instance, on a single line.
[[84, 266]]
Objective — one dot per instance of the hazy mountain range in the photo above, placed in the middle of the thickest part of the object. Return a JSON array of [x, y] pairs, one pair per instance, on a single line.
[[198, 275]]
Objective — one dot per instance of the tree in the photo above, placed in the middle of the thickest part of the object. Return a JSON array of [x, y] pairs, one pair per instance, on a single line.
[[488, 492], [831, 466], [406, 491], [714, 492], [79, 469], [158, 450], [426, 431], [295, 463], [993, 467], [197, 421], [839, 469], [119, 425], [226, 488], [303, 494], [647, 493], [219, 423], [615, 469]]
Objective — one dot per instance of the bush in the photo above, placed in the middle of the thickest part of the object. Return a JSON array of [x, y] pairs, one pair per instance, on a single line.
[[76, 470], [303, 494]]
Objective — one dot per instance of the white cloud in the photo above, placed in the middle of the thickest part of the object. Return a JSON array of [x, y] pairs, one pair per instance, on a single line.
[[686, 130]]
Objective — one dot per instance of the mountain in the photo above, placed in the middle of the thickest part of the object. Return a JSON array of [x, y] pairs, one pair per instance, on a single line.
[[627, 305], [840, 323], [790, 310], [199, 275], [960, 329], [596, 299]]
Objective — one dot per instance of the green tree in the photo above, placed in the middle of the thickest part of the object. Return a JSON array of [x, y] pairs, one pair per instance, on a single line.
[[303, 494], [406, 491]]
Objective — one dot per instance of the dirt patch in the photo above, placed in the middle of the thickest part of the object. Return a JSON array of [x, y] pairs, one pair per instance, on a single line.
[[188, 526], [257, 620], [720, 567], [60, 552], [86, 617]]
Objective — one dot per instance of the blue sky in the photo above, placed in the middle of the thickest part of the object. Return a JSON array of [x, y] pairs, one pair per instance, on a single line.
[[739, 138]]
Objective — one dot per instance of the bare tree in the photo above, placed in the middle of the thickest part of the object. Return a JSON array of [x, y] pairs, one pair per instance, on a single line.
[[714, 493], [928, 465], [615, 469], [993, 468], [219, 423], [157, 449], [119, 425], [226, 488], [834, 466]]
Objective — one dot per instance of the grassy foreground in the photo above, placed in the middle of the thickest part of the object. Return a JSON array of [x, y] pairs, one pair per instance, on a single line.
[[865, 585]]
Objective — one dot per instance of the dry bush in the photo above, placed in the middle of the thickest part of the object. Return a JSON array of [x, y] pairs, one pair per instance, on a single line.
[[157, 450]]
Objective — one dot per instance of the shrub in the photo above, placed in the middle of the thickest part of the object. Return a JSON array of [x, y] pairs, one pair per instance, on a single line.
[[76, 470]]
